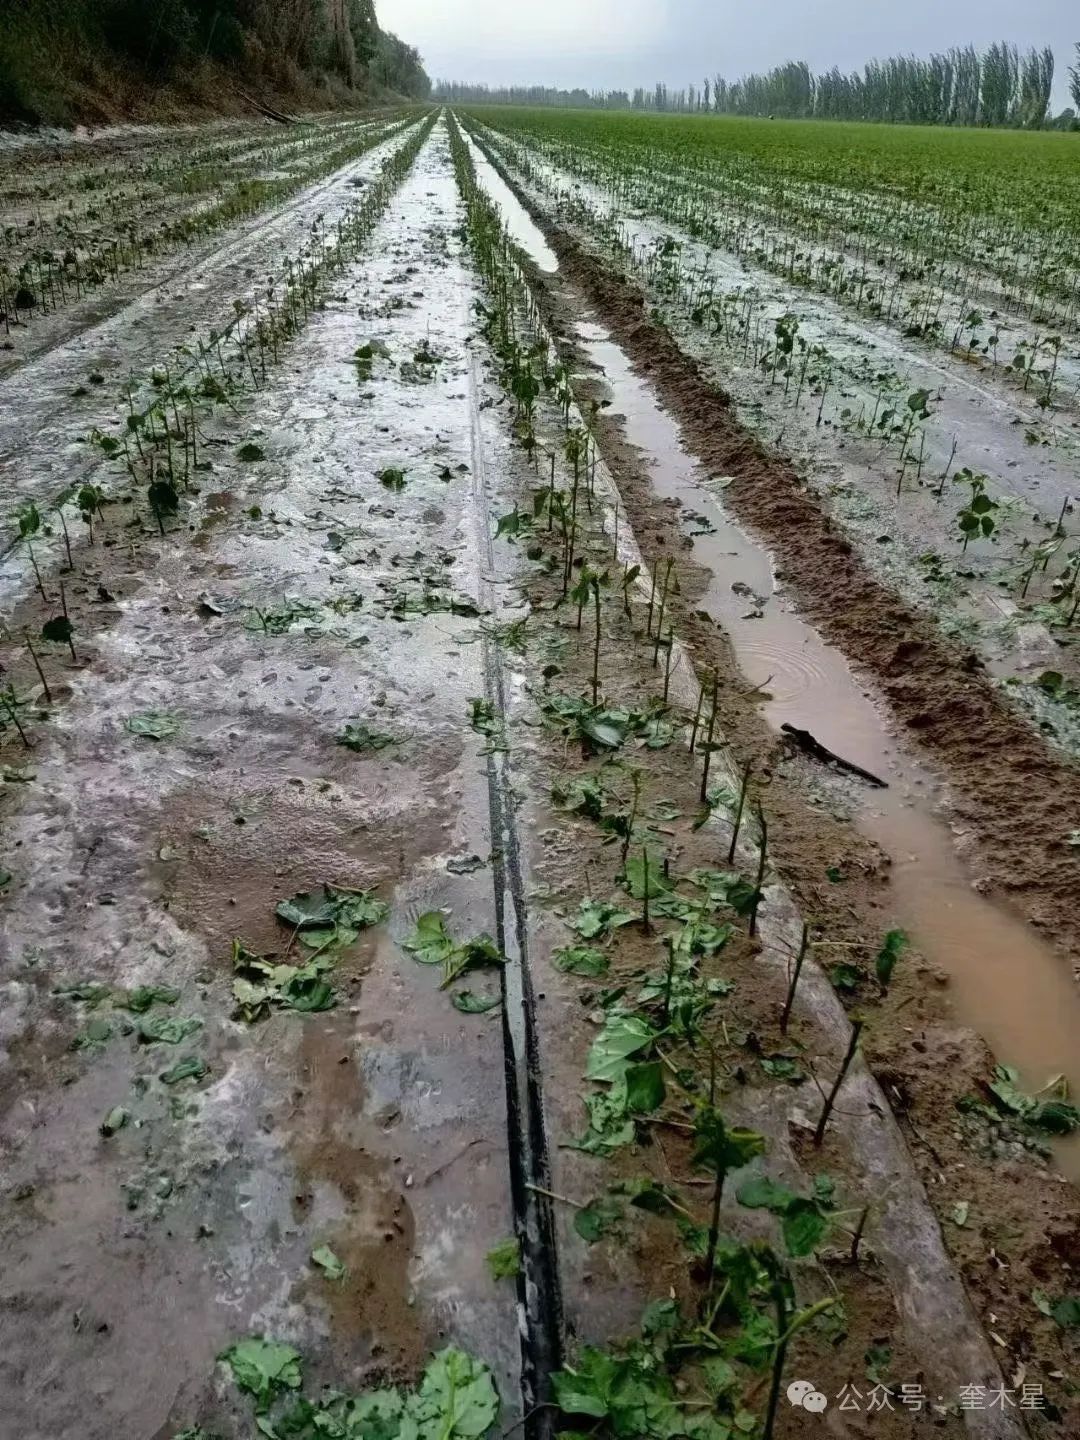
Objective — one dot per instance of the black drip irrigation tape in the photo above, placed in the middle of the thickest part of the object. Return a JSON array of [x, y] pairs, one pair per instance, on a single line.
[[539, 1286]]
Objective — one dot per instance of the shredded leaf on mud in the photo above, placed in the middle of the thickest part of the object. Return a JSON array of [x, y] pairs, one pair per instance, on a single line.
[[89, 992], [336, 915], [145, 997], [621, 1037], [189, 1068], [432, 944], [804, 1218], [598, 917], [361, 738], [59, 629], [115, 1120], [263, 1368], [485, 721], [456, 1399], [582, 960], [598, 1219], [893, 946], [94, 1036], [504, 1259], [328, 1263], [166, 1029], [153, 724], [261, 983], [1055, 1115], [470, 1004]]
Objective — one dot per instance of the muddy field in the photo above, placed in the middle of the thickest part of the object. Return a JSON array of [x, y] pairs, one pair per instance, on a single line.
[[522, 912]]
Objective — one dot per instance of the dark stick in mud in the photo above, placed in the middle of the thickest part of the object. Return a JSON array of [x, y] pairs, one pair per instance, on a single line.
[[670, 943], [737, 822], [709, 741], [67, 538], [697, 718], [63, 607], [763, 846], [856, 1239], [652, 600], [645, 926], [596, 643], [37, 575], [635, 781], [660, 615], [779, 1357], [804, 945], [40, 671], [853, 1045], [13, 716]]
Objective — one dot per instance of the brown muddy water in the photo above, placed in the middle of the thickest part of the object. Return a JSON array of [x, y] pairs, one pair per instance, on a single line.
[[1008, 987]]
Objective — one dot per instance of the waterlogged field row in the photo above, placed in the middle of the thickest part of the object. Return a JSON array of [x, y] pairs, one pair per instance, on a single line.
[[73, 221], [955, 469]]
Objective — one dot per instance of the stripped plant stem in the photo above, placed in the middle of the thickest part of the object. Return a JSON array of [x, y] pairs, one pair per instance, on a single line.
[[827, 1109]]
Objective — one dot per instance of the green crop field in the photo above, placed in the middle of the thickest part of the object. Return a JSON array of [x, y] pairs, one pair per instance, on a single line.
[[1033, 174]]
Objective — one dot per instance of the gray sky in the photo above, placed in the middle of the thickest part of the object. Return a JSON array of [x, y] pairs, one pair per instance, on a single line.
[[622, 43]]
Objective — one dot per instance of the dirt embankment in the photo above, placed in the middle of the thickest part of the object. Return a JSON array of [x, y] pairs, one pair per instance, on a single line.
[[103, 61], [938, 691], [98, 93]]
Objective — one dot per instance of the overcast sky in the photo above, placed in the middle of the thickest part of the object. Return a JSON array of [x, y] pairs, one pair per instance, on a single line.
[[623, 43]]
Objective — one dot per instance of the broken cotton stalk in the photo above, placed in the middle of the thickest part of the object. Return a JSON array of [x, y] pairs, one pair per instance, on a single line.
[[432, 944]]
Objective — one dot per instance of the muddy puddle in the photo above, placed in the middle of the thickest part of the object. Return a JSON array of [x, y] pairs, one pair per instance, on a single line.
[[1004, 984]]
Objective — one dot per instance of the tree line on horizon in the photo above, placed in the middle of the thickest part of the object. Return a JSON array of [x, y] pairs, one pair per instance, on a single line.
[[1001, 86]]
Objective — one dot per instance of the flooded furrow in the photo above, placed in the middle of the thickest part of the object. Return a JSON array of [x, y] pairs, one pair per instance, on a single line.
[[1005, 985]]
